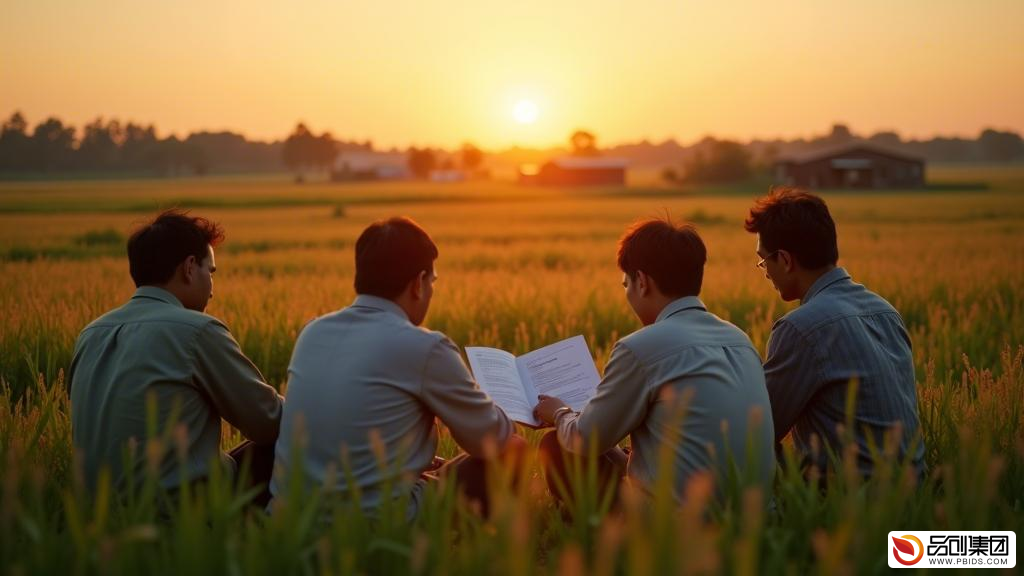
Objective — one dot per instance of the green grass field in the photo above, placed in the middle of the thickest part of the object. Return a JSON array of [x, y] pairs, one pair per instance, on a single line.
[[519, 268]]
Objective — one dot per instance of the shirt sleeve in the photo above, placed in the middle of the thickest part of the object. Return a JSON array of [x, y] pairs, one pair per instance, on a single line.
[[235, 385], [619, 407], [452, 394], [791, 375]]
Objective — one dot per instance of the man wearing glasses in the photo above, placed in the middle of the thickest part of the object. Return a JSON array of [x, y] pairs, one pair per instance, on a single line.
[[842, 335]]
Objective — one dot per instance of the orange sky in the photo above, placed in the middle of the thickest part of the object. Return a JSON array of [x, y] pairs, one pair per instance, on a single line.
[[440, 72]]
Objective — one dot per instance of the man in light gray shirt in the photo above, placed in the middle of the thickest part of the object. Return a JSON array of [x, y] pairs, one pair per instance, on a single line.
[[159, 362], [688, 386], [366, 385], [841, 335]]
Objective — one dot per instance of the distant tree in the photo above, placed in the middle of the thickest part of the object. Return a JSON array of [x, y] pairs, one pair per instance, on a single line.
[[171, 157], [471, 157], [324, 151], [298, 150], [1000, 146], [14, 143], [840, 133], [583, 143], [302, 150], [51, 145], [191, 157], [228, 151], [890, 139], [718, 161], [100, 145], [16, 124], [295, 149], [162, 157], [138, 148], [421, 162]]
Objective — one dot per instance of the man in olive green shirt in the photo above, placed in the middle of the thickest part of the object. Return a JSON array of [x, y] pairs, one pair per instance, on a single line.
[[159, 368]]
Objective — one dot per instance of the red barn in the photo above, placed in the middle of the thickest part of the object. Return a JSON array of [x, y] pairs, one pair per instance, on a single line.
[[576, 171]]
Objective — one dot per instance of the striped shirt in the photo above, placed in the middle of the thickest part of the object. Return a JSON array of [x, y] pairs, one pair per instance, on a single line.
[[842, 332]]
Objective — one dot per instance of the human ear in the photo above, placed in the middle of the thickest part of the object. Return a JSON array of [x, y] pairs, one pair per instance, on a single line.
[[188, 268], [788, 263], [417, 285], [642, 283]]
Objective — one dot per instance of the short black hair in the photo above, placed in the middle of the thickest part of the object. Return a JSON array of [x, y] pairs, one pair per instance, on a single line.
[[156, 248], [391, 253], [672, 255], [798, 222]]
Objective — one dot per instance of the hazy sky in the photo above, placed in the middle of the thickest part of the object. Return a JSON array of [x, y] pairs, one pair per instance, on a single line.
[[439, 72]]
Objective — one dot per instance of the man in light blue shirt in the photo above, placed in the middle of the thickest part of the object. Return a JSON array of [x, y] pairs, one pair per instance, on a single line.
[[366, 385], [687, 388], [841, 335]]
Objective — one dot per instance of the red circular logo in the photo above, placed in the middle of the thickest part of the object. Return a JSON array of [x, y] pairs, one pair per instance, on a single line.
[[905, 545]]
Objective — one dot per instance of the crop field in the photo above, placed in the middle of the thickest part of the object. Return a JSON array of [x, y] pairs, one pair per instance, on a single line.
[[518, 268]]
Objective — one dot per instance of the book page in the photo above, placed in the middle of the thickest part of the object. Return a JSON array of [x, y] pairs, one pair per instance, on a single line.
[[496, 373], [564, 369]]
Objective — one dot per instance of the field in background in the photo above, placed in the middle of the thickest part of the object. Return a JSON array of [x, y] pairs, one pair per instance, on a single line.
[[519, 268]]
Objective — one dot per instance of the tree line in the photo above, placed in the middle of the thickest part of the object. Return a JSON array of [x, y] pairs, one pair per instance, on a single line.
[[100, 146], [110, 147], [52, 147]]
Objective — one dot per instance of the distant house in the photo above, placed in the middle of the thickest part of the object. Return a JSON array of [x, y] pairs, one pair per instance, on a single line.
[[362, 166], [851, 165], [576, 171], [447, 175]]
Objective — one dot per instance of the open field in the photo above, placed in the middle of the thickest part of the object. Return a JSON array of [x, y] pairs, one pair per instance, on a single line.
[[519, 268]]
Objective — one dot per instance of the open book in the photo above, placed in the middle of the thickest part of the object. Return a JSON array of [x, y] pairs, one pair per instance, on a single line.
[[564, 369]]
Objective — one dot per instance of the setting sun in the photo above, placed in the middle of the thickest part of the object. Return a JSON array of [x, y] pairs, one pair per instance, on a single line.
[[525, 112]]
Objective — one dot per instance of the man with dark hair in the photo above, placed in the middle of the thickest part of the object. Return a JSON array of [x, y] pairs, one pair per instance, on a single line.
[[841, 335], [688, 385], [366, 385], [159, 362]]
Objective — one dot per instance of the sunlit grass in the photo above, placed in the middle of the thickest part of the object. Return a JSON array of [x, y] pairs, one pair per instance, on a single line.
[[515, 272]]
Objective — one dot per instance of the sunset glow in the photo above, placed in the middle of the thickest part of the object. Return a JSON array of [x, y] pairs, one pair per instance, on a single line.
[[525, 112], [439, 73]]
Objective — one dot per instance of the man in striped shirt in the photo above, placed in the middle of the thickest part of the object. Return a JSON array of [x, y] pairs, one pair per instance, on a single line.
[[842, 335]]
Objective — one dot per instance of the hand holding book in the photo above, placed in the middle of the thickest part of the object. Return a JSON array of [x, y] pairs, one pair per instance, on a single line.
[[548, 409], [564, 370]]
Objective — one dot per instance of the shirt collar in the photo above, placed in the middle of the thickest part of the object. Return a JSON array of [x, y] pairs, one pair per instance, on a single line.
[[378, 303], [157, 293], [684, 303], [827, 279]]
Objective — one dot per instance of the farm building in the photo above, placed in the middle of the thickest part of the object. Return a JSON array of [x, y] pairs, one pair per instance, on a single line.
[[851, 165], [576, 171], [360, 166], [448, 175]]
